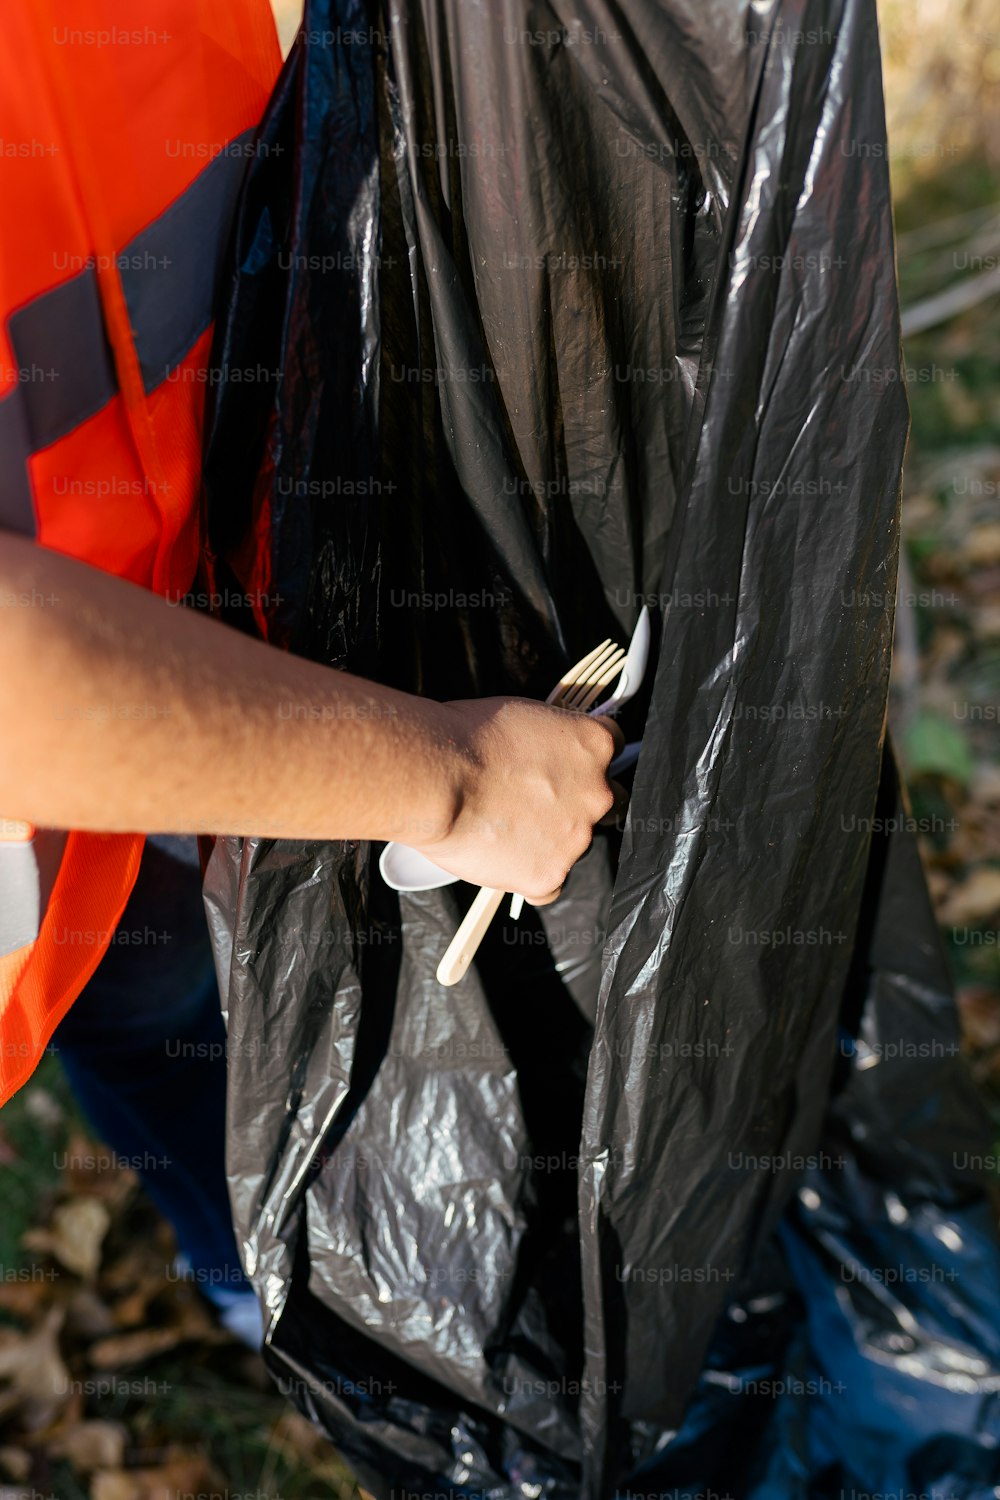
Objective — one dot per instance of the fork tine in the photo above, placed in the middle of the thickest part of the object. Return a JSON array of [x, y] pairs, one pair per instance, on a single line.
[[606, 678], [596, 667], [598, 678], [585, 675], [570, 678]]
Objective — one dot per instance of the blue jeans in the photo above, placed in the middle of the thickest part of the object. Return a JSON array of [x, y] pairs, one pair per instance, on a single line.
[[144, 1051]]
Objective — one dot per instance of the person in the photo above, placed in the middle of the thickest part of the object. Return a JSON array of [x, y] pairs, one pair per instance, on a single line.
[[125, 712]]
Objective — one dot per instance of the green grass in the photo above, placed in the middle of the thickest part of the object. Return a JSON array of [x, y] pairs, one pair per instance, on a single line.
[[33, 1173]]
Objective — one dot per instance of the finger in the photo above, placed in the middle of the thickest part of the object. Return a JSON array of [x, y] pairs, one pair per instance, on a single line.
[[544, 900], [615, 815]]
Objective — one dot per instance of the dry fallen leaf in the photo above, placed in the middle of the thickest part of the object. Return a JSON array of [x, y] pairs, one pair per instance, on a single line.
[[94, 1171], [939, 884], [88, 1315], [39, 1380], [185, 1474], [985, 785], [43, 1109], [28, 1299], [114, 1485], [74, 1237], [975, 900], [982, 545], [133, 1309], [979, 1009], [134, 1348], [986, 622], [91, 1445], [984, 582], [15, 1463]]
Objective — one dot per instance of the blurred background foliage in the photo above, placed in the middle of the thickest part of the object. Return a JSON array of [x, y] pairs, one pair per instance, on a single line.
[[942, 82], [115, 1383]]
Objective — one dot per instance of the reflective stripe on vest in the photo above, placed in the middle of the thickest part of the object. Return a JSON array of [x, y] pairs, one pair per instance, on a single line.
[[139, 161], [61, 333]]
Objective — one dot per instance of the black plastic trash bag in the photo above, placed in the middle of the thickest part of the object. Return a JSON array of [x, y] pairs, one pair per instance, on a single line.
[[540, 313]]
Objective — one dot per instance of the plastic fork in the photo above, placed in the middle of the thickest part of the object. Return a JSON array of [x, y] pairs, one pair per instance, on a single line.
[[583, 684]]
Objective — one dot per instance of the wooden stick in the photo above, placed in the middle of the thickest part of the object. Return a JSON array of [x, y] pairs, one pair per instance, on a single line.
[[462, 948]]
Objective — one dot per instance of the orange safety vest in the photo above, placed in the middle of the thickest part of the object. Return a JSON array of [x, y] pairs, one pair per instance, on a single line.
[[124, 133]]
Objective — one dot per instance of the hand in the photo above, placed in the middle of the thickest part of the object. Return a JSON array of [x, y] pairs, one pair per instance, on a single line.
[[531, 784]]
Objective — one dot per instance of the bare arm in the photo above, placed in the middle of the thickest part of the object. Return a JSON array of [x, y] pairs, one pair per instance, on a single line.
[[122, 713]]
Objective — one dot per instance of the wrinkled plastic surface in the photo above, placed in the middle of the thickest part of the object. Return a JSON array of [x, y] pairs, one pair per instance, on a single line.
[[679, 1191]]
